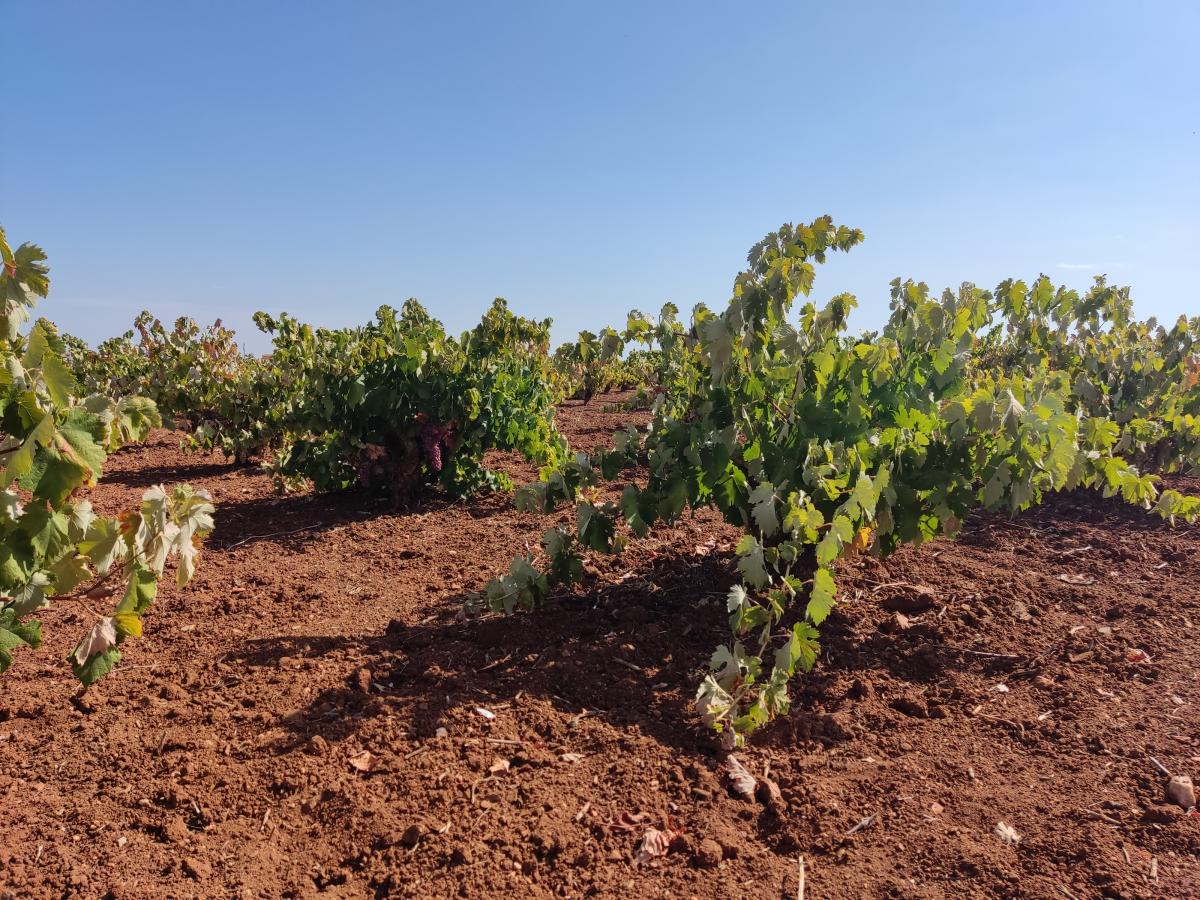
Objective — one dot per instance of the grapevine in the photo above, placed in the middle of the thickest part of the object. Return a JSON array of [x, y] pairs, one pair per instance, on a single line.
[[821, 445], [53, 445]]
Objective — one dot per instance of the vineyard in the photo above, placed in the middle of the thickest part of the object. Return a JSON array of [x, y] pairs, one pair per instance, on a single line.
[[738, 600]]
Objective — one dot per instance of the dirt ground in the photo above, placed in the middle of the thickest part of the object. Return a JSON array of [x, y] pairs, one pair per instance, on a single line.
[[1033, 668]]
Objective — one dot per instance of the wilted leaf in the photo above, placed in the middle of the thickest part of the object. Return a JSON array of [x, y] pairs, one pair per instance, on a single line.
[[1075, 578], [101, 638], [365, 761], [627, 822], [1007, 834], [655, 843], [737, 776]]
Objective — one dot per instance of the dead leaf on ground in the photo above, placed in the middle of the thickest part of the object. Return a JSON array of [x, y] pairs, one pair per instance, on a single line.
[[1076, 578], [366, 761], [627, 822], [1007, 833], [655, 843], [740, 781], [499, 766], [865, 822]]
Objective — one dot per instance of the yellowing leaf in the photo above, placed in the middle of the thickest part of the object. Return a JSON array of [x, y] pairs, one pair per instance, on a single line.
[[129, 624]]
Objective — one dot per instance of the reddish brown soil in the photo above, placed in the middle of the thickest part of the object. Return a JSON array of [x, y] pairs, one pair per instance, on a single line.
[[214, 762]]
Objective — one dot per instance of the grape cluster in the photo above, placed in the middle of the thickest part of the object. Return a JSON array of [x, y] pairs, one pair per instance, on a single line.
[[431, 442], [369, 464]]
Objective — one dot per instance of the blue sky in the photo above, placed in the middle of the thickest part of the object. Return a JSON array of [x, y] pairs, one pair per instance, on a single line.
[[216, 158]]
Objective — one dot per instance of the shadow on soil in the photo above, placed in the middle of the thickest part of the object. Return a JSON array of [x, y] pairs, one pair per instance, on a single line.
[[617, 650], [296, 520], [168, 475], [629, 653]]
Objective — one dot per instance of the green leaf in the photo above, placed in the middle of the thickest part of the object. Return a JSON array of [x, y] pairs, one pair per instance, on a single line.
[[639, 513], [84, 432], [800, 651], [944, 356], [997, 485], [96, 667], [60, 382], [751, 562], [766, 518], [15, 634], [140, 591], [56, 476], [20, 463], [821, 600], [841, 532], [103, 544], [48, 530]]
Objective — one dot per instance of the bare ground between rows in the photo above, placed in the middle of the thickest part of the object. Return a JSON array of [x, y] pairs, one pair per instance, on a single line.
[[216, 760]]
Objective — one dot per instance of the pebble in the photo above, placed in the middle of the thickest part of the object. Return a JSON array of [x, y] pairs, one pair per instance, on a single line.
[[197, 868], [176, 830], [708, 854], [1181, 791]]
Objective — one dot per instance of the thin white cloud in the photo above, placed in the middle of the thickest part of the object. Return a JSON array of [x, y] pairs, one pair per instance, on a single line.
[[1075, 265]]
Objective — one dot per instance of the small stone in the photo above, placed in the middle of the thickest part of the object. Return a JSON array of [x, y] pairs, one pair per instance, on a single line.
[[1181, 791], [1043, 682], [859, 690], [171, 691], [197, 868], [911, 707], [412, 834], [708, 854], [767, 793], [917, 598], [682, 844], [317, 746], [176, 830]]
